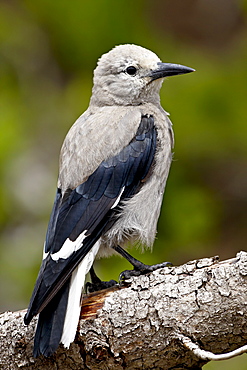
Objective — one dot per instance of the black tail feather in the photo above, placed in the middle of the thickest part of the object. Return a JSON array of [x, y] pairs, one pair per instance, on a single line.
[[50, 324]]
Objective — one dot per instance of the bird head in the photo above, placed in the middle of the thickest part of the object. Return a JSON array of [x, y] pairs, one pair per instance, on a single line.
[[131, 75]]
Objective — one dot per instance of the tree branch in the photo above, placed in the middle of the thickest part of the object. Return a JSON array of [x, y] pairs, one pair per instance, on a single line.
[[174, 318]]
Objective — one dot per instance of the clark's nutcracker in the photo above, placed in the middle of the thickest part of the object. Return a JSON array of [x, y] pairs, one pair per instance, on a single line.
[[114, 165]]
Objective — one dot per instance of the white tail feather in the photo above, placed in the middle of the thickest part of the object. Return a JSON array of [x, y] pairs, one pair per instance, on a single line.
[[74, 299]]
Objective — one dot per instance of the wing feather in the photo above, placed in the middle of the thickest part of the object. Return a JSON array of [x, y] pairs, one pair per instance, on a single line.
[[88, 209]]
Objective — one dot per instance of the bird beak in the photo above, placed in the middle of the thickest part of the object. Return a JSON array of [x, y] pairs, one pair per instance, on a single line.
[[169, 69]]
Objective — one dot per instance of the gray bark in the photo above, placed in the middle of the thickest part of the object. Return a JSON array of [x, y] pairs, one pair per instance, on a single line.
[[143, 324]]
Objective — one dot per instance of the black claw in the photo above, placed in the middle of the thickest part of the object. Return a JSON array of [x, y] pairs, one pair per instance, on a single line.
[[91, 287], [142, 269], [97, 284], [126, 275], [139, 267]]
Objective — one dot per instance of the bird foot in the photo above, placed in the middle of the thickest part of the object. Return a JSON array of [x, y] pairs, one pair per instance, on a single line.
[[97, 284], [139, 267], [92, 287], [142, 269]]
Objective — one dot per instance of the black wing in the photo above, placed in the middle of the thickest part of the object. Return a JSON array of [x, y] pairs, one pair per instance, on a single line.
[[89, 208]]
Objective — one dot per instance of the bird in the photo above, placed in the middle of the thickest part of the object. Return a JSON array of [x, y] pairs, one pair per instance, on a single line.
[[113, 168]]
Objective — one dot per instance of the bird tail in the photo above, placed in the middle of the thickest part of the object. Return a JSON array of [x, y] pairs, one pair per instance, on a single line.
[[50, 324], [59, 319]]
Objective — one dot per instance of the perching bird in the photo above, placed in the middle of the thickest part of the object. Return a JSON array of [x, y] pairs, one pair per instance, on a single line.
[[114, 165]]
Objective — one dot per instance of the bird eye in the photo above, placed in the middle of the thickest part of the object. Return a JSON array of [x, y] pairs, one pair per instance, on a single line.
[[131, 70]]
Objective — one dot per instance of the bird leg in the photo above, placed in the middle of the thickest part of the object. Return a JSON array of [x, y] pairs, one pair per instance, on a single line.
[[139, 267], [97, 284]]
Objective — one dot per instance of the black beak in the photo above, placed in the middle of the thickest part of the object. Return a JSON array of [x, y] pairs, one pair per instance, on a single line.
[[169, 69]]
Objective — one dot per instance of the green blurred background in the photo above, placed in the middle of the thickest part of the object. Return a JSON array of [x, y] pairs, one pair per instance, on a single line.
[[48, 50]]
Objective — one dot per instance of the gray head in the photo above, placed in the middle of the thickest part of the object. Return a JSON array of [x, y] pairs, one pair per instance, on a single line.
[[131, 75]]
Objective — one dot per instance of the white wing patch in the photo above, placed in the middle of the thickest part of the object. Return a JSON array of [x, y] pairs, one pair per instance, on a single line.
[[45, 254], [74, 299], [69, 247], [118, 198]]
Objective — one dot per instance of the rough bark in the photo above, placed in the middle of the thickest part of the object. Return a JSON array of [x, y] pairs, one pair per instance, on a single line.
[[147, 323]]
